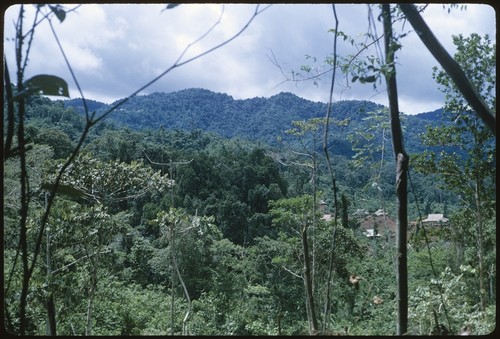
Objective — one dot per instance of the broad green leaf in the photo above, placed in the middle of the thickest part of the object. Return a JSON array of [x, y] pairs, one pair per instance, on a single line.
[[170, 6], [370, 78], [59, 12], [47, 85]]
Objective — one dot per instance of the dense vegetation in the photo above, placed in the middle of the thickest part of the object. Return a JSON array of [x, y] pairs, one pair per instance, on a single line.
[[185, 215], [192, 213], [256, 119]]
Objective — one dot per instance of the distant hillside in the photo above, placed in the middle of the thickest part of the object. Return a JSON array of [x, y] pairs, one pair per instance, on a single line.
[[432, 116], [257, 119]]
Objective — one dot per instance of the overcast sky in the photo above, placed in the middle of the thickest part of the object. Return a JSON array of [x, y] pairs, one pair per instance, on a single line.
[[116, 49]]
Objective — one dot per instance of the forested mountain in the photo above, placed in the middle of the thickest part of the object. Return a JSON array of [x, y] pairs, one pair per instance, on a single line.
[[184, 213], [192, 213], [256, 119]]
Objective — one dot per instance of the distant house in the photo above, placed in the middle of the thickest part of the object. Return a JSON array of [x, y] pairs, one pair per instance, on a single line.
[[370, 233], [322, 206], [360, 213], [435, 220], [379, 221]]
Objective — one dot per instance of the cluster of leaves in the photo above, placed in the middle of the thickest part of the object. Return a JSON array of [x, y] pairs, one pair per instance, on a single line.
[[109, 183], [451, 292]]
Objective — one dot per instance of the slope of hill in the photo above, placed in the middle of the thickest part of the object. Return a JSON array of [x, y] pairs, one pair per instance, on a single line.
[[257, 119]]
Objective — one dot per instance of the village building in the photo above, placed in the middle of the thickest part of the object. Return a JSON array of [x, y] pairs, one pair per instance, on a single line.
[[434, 220], [360, 212], [376, 224], [370, 233], [379, 223]]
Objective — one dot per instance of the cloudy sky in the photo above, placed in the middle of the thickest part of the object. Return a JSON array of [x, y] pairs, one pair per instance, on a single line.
[[116, 49]]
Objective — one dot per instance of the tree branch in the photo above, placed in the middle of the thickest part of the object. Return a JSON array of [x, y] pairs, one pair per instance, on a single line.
[[450, 66]]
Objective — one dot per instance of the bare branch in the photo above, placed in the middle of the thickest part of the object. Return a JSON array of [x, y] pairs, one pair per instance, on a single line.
[[291, 272], [78, 260], [88, 119], [184, 162]]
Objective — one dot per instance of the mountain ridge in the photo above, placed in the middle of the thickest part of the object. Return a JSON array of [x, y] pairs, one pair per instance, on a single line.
[[257, 119]]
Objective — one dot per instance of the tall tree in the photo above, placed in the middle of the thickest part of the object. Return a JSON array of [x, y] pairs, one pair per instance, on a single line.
[[469, 170], [401, 173], [295, 214]]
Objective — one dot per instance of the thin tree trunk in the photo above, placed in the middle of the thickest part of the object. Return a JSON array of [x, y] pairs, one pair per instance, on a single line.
[[10, 114], [51, 309], [172, 299], [172, 259], [90, 307], [314, 209], [401, 178], [23, 179], [482, 290], [326, 310], [186, 293], [184, 288], [92, 289], [51, 315], [313, 323], [401, 238], [23, 214]]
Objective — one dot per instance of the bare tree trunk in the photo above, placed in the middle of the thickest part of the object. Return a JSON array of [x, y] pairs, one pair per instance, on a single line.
[[313, 323], [51, 309], [90, 307], [172, 263], [326, 309], [92, 289], [184, 288], [314, 209], [401, 177], [7, 147], [186, 293], [482, 291], [23, 216], [172, 299], [51, 315]]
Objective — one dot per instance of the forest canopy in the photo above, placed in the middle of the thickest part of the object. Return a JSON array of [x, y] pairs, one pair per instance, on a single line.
[[194, 213]]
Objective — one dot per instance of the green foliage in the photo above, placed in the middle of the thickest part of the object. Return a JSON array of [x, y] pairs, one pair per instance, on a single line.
[[47, 84], [196, 109], [60, 141], [236, 214], [113, 182], [147, 311], [470, 170], [163, 225], [453, 294]]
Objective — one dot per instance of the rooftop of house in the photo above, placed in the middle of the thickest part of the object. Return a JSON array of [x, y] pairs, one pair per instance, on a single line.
[[438, 217], [370, 233]]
